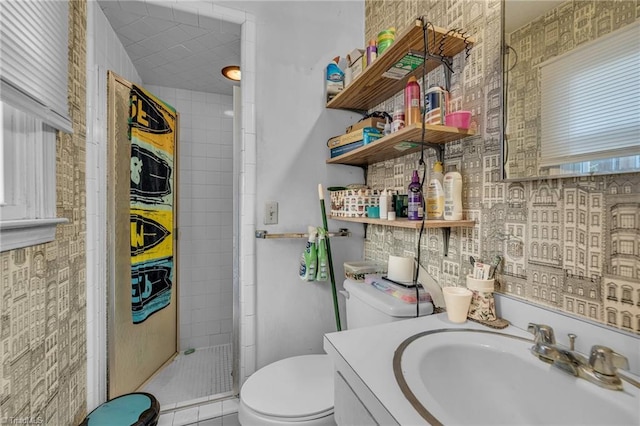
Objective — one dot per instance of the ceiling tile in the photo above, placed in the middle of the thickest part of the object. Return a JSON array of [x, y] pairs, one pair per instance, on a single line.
[[116, 16], [152, 26], [137, 7], [193, 31], [183, 17], [181, 48], [161, 12], [209, 23]]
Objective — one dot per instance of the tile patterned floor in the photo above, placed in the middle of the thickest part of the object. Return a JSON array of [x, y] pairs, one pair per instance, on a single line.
[[201, 374], [216, 413]]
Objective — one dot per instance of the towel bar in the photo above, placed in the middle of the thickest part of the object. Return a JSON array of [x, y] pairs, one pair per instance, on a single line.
[[262, 234]]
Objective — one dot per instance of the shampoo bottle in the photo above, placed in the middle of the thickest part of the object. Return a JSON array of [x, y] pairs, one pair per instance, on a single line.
[[452, 185], [435, 193], [415, 210], [412, 102]]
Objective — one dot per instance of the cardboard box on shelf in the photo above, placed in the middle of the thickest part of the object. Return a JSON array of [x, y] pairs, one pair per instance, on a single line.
[[368, 134], [375, 122], [354, 59]]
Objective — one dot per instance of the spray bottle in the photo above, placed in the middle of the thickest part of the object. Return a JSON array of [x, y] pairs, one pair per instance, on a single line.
[[323, 259], [309, 257], [415, 210]]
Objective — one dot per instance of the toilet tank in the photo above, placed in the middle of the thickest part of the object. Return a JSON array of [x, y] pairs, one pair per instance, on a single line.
[[368, 306]]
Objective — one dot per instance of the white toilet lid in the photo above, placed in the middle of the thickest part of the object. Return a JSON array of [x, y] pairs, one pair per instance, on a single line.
[[296, 387]]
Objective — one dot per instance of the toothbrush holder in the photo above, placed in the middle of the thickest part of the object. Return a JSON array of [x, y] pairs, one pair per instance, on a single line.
[[483, 305]]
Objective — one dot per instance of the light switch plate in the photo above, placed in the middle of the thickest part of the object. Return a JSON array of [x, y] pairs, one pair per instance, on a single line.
[[270, 212]]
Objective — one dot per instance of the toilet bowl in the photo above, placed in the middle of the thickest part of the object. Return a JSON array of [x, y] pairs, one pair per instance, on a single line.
[[293, 391], [298, 391]]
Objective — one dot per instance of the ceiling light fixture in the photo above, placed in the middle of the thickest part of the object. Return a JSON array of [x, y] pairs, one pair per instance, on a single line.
[[232, 72]]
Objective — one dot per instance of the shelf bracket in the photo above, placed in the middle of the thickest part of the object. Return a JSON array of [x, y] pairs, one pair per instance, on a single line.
[[438, 148], [446, 234]]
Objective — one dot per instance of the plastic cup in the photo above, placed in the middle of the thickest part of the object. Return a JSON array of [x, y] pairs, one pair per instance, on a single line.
[[457, 301]]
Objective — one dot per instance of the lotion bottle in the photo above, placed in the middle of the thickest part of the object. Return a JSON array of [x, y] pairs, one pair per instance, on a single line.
[[452, 185], [435, 193]]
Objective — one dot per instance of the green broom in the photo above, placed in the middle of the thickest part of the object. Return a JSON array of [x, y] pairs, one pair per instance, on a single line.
[[333, 280]]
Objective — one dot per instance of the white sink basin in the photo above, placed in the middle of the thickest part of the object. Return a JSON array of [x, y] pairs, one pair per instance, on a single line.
[[471, 377]]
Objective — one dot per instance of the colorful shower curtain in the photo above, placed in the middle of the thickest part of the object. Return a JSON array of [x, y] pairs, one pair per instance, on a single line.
[[152, 133]]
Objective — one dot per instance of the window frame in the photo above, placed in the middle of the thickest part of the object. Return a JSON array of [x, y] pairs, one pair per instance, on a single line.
[[28, 180]]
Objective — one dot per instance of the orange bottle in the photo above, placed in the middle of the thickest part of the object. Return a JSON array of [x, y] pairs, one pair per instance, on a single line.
[[412, 107]]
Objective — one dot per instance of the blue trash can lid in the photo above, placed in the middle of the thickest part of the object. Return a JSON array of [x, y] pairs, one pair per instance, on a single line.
[[123, 410]]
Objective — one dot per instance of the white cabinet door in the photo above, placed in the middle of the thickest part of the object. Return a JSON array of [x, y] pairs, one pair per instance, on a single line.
[[348, 408]]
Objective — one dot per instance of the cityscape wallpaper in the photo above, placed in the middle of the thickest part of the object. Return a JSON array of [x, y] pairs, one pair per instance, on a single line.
[[43, 358], [569, 244]]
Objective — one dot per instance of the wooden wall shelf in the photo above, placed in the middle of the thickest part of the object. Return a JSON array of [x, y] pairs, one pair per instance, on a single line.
[[393, 145], [406, 223], [370, 88]]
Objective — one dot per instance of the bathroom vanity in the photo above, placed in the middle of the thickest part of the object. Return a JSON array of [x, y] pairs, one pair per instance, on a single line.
[[380, 369]]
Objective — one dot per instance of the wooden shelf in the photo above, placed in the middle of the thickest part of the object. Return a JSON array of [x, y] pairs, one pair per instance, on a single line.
[[403, 142], [406, 223], [370, 88]]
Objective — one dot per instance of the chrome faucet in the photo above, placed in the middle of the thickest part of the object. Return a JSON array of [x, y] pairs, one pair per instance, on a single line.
[[600, 368]]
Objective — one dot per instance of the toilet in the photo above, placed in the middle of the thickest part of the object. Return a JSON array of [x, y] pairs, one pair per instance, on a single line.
[[298, 391]]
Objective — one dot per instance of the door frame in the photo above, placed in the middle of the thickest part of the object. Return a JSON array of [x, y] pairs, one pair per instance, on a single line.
[[244, 350]]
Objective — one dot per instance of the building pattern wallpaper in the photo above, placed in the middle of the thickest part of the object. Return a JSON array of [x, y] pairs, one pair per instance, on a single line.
[[560, 30], [570, 244], [43, 317]]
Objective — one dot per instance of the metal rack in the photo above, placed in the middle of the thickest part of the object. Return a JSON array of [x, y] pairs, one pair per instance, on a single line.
[[263, 234]]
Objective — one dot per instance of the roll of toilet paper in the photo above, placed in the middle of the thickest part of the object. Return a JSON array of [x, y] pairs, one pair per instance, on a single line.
[[400, 268]]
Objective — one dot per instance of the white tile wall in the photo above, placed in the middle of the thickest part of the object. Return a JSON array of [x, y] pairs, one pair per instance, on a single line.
[[104, 52], [205, 194]]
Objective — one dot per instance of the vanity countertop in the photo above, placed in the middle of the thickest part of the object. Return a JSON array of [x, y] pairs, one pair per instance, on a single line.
[[369, 352]]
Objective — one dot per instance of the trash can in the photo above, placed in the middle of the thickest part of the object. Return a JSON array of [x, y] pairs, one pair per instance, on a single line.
[[132, 409]]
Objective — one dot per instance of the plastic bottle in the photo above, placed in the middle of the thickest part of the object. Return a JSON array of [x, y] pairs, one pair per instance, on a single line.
[[309, 257], [412, 102], [387, 127], [323, 260], [435, 193], [385, 39], [398, 119], [415, 210], [334, 78], [372, 52], [384, 204], [452, 185]]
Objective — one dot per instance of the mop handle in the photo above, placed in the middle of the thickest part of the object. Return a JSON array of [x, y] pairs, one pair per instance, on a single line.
[[328, 240]]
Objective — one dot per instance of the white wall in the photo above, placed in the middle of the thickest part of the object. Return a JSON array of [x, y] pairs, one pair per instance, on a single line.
[[205, 200], [104, 52], [294, 42]]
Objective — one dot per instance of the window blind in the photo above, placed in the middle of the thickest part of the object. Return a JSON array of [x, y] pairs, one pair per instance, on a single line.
[[33, 59], [590, 102]]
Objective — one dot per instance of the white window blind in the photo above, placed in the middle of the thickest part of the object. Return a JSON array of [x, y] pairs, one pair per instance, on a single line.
[[33, 58], [590, 102]]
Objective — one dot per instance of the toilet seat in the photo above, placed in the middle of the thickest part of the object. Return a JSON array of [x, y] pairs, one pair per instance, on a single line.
[[291, 390]]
